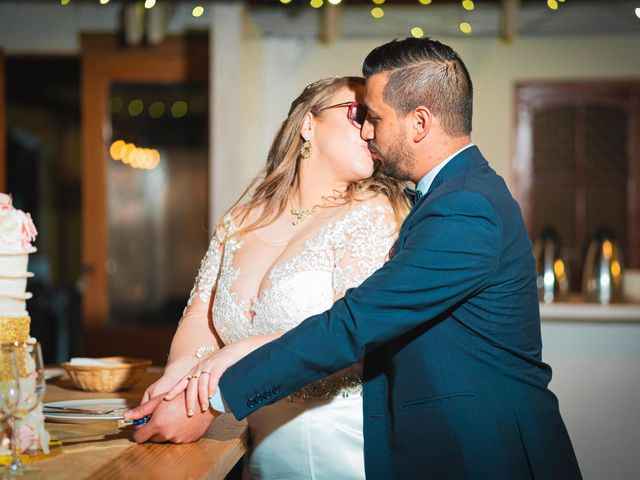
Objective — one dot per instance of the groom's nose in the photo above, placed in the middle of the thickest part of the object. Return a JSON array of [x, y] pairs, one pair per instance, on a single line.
[[366, 132]]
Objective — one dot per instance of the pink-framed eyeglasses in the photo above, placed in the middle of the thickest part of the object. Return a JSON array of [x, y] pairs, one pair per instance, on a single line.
[[356, 112]]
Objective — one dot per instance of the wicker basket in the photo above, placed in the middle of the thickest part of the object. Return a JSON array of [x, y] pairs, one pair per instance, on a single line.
[[107, 378]]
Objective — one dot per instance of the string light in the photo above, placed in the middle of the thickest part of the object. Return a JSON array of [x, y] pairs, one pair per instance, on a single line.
[[135, 107], [115, 104], [552, 4], [65, 2], [117, 149], [179, 109], [468, 4], [149, 4], [417, 32], [378, 2], [285, 1], [335, 2], [104, 2], [377, 12], [136, 157], [425, 2], [638, 12], [197, 11], [465, 27], [126, 152], [316, 3], [156, 109]]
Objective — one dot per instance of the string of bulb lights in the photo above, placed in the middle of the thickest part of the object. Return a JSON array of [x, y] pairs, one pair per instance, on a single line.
[[377, 10], [466, 4], [196, 11]]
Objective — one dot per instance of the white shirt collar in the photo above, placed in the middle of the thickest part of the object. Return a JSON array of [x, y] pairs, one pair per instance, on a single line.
[[427, 180]]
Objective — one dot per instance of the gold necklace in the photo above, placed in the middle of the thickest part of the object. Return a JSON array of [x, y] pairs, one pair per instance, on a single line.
[[303, 213]]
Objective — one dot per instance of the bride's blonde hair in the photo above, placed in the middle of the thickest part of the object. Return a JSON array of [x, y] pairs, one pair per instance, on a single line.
[[271, 188]]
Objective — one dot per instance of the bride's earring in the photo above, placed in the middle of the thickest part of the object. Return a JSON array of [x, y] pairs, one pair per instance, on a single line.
[[305, 149]]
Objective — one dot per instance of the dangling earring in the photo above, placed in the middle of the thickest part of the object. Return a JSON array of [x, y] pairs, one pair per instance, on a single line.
[[305, 149]]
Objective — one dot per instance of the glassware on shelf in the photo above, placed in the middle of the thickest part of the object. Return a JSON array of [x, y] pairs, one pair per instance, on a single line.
[[603, 270], [552, 268]]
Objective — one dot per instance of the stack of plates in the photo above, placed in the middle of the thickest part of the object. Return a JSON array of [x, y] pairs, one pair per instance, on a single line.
[[86, 411]]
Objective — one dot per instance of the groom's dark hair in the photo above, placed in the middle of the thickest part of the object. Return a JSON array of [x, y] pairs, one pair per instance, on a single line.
[[425, 72]]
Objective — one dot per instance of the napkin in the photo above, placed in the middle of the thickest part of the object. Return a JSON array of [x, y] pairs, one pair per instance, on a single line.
[[92, 362]]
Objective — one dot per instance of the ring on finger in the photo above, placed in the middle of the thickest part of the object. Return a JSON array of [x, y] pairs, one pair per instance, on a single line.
[[203, 373], [194, 376]]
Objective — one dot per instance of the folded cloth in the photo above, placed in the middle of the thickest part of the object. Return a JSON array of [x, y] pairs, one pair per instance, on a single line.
[[92, 362]]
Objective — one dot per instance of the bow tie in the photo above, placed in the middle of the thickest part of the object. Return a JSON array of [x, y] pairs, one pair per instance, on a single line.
[[413, 195]]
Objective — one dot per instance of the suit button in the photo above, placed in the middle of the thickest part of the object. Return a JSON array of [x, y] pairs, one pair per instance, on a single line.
[[258, 398], [249, 403], [276, 389], [267, 395]]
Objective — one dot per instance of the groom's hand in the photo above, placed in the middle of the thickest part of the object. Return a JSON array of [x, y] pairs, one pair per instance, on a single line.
[[170, 423]]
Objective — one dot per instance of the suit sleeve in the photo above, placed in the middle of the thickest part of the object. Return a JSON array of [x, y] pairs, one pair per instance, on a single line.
[[450, 251]]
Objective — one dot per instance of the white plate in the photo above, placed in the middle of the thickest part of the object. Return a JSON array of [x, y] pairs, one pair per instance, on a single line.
[[95, 404], [51, 373]]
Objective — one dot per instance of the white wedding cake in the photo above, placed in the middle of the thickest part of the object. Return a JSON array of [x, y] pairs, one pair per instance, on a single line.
[[17, 232]]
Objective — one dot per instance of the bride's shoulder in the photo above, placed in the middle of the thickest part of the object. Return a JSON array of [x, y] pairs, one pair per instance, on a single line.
[[370, 200], [367, 210], [232, 221]]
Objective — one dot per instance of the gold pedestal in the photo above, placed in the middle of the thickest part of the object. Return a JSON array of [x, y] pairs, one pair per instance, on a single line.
[[12, 330]]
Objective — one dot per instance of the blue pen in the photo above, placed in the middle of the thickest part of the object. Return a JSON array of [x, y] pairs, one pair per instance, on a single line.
[[141, 421]]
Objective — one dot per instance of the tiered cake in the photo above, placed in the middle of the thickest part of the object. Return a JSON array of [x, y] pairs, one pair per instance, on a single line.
[[17, 233]]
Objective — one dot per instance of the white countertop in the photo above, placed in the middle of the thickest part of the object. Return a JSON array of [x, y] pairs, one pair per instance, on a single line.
[[590, 312]]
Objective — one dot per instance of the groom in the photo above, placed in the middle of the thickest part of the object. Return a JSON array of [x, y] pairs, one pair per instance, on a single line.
[[449, 328]]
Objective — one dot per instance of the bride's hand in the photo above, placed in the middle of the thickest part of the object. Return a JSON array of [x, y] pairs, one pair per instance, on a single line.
[[173, 372], [202, 380]]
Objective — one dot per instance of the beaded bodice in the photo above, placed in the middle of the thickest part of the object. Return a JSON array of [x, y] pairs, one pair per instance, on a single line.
[[339, 256]]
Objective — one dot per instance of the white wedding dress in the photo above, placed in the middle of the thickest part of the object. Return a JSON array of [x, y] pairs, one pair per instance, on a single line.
[[317, 432]]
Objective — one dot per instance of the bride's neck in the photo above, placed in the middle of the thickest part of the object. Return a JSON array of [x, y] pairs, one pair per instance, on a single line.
[[313, 185]]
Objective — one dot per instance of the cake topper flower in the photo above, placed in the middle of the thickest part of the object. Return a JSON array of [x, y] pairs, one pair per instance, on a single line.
[[17, 226], [6, 202], [29, 231]]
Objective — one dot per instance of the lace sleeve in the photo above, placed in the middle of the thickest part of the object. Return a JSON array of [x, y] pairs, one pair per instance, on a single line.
[[195, 328], [365, 248], [210, 265]]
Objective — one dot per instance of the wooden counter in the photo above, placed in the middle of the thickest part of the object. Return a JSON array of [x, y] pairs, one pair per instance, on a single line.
[[101, 451]]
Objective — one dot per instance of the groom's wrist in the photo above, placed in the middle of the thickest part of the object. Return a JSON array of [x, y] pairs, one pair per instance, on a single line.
[[217, 402]]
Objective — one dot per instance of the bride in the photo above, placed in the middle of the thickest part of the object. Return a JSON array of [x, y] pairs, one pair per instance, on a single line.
[[320, 219]]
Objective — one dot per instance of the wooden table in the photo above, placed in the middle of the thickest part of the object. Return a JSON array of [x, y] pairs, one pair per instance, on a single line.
[[102, 451]]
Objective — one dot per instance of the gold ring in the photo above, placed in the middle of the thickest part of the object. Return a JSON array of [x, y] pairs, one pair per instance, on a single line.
[[207, 373], [194, 376]]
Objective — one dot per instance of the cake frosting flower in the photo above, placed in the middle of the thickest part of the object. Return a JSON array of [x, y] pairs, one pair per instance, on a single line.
[[6, 203], [17, 230]]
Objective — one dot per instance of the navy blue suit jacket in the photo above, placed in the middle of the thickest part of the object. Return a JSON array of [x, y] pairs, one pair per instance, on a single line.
[[449, 329]]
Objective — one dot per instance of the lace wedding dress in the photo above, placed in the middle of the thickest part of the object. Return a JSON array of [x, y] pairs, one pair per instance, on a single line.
[[317, 432]]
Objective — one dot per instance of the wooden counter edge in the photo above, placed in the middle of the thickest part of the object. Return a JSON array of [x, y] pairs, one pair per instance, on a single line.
[[211, 457]]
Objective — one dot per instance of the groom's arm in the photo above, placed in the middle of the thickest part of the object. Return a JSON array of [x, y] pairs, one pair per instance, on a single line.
[[450, 253]]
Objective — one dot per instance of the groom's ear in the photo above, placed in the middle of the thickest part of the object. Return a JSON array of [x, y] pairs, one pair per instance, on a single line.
[[422, 119]]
